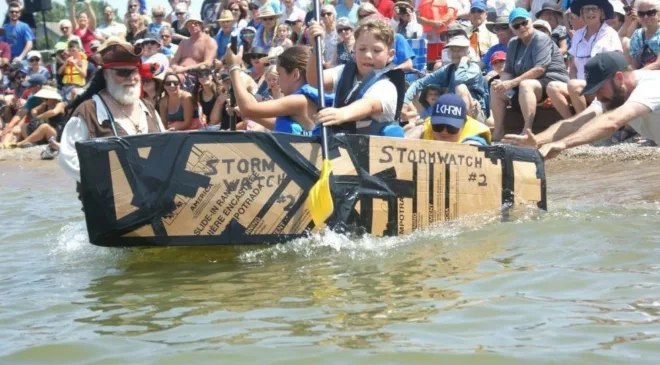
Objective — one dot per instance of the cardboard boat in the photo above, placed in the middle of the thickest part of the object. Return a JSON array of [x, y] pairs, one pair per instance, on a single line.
[[227, 188]]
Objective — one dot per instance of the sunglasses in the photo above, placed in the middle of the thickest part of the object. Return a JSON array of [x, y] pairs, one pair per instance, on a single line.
[[342, 30], [34, 59], [125, 72], [499, 28], [649, 13], [205, 74], [438, 128], [158, 15], [179, 14], [269, 19], [326, 15], [171, 83], [517, 26], [165, 36], [14, 12]]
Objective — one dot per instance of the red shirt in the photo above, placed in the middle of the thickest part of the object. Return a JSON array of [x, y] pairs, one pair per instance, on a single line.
[[87, 37], [386, 8], [5, 51]]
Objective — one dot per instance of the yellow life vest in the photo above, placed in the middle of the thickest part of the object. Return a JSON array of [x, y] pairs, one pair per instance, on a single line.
[[471, 128]]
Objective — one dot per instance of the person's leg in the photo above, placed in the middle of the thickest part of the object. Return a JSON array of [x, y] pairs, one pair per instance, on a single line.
[[464, 93], [530, 93], [558, 93], [43, 132], [575, 87], [498, 102]]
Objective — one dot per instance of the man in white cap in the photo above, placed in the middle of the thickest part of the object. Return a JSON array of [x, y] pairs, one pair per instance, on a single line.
[[290, 10], [200, 49]]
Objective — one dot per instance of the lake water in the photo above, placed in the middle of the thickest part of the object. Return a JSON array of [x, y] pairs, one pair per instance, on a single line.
[[579, 284]]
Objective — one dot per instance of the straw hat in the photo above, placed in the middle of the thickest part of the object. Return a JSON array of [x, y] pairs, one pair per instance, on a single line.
[[225, 16], [267, 11], [48, 92]]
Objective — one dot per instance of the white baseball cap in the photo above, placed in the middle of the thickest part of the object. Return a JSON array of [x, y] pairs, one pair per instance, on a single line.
[[32, 54]]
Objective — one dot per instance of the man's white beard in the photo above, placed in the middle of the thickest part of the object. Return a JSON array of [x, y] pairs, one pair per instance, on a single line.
[[123, 94]]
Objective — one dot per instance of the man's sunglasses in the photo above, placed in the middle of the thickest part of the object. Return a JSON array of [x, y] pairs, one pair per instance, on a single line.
[[179, 14], [14, 12], [171, 83], [125, 72], [649, 13], [326, 15], [158, 15], [34, 59], [517, 26], [269, 19], [438, 128], [342, 30]]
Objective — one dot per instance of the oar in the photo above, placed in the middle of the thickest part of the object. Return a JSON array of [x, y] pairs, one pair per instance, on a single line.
[[320, 198]]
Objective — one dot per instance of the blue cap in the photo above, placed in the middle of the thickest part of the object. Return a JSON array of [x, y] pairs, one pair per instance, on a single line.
[[479, 4], [518, 13], [449, 109], [34, 80]]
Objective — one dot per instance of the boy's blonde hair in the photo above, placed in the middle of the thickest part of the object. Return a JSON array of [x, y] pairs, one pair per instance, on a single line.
[[379, 29]]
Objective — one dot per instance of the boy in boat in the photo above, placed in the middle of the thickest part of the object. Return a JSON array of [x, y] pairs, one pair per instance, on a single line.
[[369, 90], [449, 122]]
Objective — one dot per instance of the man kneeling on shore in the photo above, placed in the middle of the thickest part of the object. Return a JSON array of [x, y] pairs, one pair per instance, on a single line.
[[623, 96], [449, 122]]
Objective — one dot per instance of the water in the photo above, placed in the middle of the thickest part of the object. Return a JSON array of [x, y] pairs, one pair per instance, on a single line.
[[579, 284]]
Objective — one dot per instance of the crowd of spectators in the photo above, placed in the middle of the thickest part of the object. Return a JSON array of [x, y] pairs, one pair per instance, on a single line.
[[496, 55]]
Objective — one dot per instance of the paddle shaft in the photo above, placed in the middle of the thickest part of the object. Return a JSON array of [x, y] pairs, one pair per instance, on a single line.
[[319, 76]]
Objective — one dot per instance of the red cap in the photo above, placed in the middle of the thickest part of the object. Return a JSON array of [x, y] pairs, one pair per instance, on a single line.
[[498, 56]]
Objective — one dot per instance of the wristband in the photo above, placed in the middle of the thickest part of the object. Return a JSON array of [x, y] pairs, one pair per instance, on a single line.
[[234, 68]]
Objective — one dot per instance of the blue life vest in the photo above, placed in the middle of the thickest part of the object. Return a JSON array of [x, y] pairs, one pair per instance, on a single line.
[[344, 97], [287, 125]]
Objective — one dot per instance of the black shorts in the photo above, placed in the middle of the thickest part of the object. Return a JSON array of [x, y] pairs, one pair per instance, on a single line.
[[515, 102]]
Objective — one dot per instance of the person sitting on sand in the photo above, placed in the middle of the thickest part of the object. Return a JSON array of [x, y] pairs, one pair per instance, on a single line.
[[449, 122], [52, 113], [623, 96]]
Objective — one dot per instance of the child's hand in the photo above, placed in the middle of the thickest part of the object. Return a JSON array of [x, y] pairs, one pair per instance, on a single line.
[[315, 29], [330, 116]]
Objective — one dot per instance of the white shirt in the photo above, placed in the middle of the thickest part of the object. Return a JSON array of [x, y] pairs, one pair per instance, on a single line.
[[607, 39], [76, 130], [383, 90], [158, 58], [114, 29], [645, 93]]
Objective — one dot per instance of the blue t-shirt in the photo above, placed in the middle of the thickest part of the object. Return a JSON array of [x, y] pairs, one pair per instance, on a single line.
[[32, 102], [167, 51], [155, 28], [486, 58], [17, 36], [402, 50], [222, 40]]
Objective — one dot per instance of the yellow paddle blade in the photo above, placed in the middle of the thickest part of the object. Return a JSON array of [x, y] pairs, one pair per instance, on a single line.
[[320, 199]]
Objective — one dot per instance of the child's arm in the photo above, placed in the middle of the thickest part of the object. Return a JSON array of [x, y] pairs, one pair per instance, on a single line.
[[358, 110], [468, 74], [436, 78]]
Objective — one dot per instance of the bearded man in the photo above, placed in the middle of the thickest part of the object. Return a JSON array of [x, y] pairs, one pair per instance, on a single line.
[[110, 106]]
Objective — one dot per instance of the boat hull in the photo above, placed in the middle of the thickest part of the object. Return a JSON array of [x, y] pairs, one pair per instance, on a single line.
[[228, 188]]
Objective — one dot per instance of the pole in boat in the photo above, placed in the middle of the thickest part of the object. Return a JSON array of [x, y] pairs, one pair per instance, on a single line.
[[232, 96], [320, 198]]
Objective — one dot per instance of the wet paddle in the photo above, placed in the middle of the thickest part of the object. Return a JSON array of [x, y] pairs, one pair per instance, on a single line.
[[320, 198]]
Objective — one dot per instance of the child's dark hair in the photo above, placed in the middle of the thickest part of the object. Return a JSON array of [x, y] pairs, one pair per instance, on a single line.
[[295, 57]]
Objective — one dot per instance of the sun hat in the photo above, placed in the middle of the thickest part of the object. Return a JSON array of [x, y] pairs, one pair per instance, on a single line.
[[449, 109], [458, 41], [149, 37], [193, 18], [500, 20], [550, 6], [603, 4], [32, 54], [540, 23], [456, 27], [518, 13], [343, 23], [295, 17], [618, 7], [255, 51], [267, 11], [225, 16], [48, 92], [497, 56]]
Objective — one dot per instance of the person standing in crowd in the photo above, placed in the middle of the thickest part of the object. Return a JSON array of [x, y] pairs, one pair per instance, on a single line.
[[404, 23], [200, 49], [290, 9], [297, 30], [347, 9], [67, 33], [136, 28], [532, 62], [109, 106], [223, 37], [17, 34], [551, 13], [110, 27], [587, 42], [178, 107], [239, 15], [435, 16], [178, 26], [331, 38], [74, 69], [346, 43], [26, 16], [266, 32], [151, 47], [645, 42], [84, 25], [450, 122], [462, 77], [480, 38], [34, 65], [158, 19], [168, 48], [504, 34], [133, 7], [623, 96]]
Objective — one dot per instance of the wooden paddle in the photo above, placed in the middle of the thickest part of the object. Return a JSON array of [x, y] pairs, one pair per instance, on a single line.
[[320, 198]]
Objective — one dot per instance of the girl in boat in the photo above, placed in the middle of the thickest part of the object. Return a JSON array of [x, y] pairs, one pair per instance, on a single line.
[[294, 112]]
